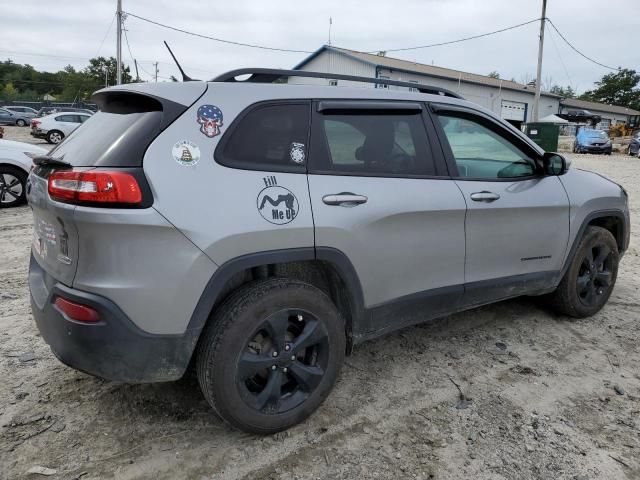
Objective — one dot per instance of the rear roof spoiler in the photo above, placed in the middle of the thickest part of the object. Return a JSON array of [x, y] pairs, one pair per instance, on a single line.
[[272, 75]]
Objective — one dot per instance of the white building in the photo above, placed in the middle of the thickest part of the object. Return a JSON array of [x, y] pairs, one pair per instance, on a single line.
[[511, 100]]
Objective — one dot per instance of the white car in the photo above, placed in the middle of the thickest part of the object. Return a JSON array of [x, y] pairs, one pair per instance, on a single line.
[[53, 128], [15, 164]]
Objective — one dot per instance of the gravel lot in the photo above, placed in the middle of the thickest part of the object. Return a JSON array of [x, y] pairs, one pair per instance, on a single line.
[[543, 406]]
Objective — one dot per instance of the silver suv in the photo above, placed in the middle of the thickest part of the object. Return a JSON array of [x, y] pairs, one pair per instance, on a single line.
[[258, 230]]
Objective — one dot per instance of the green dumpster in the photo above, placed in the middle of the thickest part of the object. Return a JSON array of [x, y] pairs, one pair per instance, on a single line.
[[545, 135]]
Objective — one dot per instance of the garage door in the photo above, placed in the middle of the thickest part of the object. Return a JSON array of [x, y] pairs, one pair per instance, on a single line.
[[513, 110]]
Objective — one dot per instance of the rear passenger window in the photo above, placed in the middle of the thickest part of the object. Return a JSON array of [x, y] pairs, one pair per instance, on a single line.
[[372, 144], [269, 137]]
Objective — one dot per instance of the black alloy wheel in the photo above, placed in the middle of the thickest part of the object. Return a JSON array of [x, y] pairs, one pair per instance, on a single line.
[[270, 354], [595, 274], [590, 276], [283, 362]]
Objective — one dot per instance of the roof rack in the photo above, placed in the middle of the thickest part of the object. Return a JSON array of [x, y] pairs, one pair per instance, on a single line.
[[271, 75]]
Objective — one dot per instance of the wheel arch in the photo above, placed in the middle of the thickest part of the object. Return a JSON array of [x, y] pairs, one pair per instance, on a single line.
[[326, 268], [615, 221], [16, 165]]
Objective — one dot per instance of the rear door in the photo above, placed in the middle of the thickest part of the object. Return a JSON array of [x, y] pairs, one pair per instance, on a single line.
[[517, 223], [245, 189], [381, 196]]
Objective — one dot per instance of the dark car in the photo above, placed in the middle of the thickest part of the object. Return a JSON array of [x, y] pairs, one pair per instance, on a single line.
[[49, 110], [634, 145]]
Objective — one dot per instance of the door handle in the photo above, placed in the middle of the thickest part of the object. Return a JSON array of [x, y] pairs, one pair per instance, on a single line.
[[484, 196], [344, 199]]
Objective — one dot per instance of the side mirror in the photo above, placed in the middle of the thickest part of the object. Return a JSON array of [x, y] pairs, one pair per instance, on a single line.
[[554, 164]]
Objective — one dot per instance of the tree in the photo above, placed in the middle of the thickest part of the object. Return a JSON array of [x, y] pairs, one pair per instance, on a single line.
[[620, 88], [493, 74], [9, 92], [563, 92], [96, 71]]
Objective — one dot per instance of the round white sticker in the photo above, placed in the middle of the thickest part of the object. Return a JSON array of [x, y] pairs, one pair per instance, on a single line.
[[186, 153]]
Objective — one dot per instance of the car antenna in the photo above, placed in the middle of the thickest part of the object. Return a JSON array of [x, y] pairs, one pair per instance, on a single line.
[[185, 77]]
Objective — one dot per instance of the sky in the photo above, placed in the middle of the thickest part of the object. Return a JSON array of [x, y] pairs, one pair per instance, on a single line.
[[72, 32]]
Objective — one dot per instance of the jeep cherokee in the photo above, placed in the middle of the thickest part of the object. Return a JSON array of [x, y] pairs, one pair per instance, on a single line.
[[261, 229]]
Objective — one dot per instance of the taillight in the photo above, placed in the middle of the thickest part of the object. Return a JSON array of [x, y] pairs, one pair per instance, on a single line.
[[94, 187], [35, 123], [77, 311]]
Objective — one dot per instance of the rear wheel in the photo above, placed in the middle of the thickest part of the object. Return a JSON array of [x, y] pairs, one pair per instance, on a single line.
[[590, 279], [271, 354], [12, 186], [21, 123], [55, 136]]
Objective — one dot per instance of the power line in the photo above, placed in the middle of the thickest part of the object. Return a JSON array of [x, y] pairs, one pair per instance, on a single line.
[[566, 71], [230, 42], [458, 40], [578, 51]]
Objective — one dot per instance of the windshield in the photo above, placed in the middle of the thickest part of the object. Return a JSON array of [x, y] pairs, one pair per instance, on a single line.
[[597, 134]]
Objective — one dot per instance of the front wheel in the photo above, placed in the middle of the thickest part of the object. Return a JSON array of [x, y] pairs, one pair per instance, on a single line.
[[271, 354], [590, 279]]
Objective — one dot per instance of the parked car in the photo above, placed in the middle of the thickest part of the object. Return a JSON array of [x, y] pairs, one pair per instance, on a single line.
[[15, 164], [194, 223], [53, 128], [25, 111], [44, 111], [634, 145], [13, 118], [592, 141]]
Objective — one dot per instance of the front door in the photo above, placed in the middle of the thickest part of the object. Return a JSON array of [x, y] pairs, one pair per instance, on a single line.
[[376, 196], [517, 224]]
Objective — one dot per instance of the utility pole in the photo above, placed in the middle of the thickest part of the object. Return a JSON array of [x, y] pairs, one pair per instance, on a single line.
[[135, 62], [155, 76], [106, 76], [536, 101], [119, 43]]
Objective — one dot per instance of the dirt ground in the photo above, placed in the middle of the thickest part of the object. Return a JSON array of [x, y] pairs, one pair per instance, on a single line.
[[543, 396]]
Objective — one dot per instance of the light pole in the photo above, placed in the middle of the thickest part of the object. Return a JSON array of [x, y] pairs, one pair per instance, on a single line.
[[119, 43], [536, 101]]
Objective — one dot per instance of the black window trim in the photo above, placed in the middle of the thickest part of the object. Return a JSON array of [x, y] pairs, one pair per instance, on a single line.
[[222, 159], [490, 123], [441, 168]]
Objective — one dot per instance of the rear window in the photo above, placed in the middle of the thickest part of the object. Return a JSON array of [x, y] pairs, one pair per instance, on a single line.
[[268, 137], [110, 139]]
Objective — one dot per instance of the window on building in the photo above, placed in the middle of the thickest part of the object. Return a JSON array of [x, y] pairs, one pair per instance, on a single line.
[[333, 83], [278, 139], [380, 85], [413, 89]]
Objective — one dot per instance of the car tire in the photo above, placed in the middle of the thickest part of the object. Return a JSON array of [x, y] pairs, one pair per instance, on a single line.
[[54, 136], [12, 186], [589, 281], [21, 123], [629, 151], [271, 354]]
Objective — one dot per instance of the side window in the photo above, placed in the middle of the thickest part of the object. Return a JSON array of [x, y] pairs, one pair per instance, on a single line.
[[269, 137], [65, 118], [372, 144], [481, 153]]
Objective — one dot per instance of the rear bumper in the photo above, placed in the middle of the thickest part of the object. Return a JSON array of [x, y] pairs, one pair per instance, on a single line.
[[38, 133], [113, 348]]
